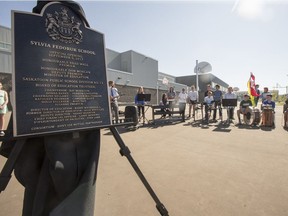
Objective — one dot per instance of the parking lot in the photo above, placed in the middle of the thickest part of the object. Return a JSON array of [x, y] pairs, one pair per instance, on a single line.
[[205, 170]]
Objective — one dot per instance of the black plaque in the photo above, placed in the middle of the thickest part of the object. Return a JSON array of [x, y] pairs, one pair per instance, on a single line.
[[59, 74]]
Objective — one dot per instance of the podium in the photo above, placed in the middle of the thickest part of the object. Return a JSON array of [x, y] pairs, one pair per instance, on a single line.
[[143, 98], [229, 104]]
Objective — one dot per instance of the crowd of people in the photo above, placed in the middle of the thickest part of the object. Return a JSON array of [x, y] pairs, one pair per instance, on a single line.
[[211, 104], [266, 111]]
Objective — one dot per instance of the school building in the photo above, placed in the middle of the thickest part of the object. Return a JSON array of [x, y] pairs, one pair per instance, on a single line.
[[129, 70]]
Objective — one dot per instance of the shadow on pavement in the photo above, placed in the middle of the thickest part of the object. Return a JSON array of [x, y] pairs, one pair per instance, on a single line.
[[248, 127]]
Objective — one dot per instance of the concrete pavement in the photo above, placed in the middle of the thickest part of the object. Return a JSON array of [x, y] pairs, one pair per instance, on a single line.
[[216, 170]]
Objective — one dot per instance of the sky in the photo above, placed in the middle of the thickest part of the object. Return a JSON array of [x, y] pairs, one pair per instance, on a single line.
[[236, 37]]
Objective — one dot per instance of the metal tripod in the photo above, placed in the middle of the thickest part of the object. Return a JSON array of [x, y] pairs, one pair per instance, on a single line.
[[124, 151]]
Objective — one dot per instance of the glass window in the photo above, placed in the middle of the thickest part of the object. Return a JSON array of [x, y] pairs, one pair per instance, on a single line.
[[5, 46]]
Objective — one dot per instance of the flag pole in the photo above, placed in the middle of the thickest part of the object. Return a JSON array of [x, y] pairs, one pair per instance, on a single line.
[[197, 82]]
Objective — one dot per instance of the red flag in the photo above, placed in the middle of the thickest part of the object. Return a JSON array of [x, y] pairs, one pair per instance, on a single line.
[[252, 86]]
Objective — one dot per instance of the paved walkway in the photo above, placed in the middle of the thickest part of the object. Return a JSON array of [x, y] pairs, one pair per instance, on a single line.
[[216, 170]]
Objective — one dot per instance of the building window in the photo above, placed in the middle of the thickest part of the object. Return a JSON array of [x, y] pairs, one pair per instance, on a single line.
[[5, 46]]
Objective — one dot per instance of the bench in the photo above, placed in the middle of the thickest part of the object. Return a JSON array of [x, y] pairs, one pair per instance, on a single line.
[[159, 110]]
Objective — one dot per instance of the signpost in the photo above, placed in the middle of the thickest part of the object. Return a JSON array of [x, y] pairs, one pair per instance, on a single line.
[[59, 78]]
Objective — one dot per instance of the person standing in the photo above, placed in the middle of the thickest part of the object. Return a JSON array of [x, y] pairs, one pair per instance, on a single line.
[[264, 94], [171, 98], [230, 95], [209, 88], [3, 108], [171, 95], [140, 103], [192, 100], [182, 99], [256, 98], [217, 102], [114, 96]]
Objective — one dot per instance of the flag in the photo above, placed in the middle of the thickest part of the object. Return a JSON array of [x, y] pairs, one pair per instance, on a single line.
[[252, 89]]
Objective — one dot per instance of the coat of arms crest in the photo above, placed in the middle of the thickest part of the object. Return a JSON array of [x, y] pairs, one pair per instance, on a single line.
[[63, 28]]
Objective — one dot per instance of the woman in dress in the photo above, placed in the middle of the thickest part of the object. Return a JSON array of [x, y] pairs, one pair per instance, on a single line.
[[3, 108]]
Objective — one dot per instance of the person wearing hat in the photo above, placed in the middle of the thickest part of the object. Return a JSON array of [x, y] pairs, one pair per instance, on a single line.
[[245, 108]]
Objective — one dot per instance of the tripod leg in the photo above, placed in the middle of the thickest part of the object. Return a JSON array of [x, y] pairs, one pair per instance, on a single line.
[[7, 170], [124, 151]]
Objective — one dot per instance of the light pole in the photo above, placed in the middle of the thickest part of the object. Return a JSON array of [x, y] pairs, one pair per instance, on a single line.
[[197, 80]]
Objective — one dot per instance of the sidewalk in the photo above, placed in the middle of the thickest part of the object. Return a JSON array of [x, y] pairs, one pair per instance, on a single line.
[[216, 170]]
